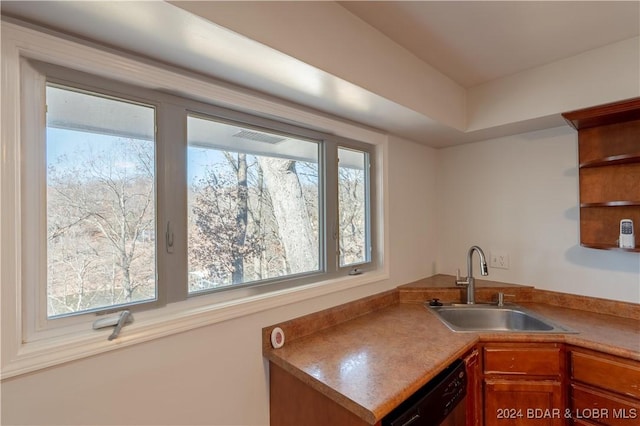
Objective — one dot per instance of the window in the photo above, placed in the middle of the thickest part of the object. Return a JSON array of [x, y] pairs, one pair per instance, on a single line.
[[353, 207], [264, 202], [85, 155], [254, 205], [100, 192]]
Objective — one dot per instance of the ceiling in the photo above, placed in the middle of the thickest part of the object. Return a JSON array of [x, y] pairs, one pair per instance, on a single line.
[[471, 43]]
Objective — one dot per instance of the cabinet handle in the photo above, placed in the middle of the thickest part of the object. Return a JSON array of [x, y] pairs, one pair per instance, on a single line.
[[411, 420]]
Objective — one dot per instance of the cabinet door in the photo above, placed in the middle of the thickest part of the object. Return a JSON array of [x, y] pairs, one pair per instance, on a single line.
[[474, 397], [523, 402], [293, 402]]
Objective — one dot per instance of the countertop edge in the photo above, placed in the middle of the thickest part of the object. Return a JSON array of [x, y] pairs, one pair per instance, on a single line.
[[575, 340]]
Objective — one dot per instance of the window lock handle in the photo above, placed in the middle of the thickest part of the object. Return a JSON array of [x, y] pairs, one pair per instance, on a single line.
[[125, 317]]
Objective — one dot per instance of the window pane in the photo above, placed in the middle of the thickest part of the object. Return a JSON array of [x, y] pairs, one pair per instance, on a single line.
[[253, 205], [100, 202], [353, 183]]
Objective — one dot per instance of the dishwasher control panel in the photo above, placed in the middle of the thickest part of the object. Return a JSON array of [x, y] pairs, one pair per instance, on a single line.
[[432, 403]]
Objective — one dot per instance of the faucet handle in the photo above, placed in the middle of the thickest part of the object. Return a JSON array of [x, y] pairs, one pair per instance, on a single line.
[[459, 280], [501, 296]]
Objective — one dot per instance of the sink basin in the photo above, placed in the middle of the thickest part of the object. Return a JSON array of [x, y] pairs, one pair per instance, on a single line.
[[512, 318]]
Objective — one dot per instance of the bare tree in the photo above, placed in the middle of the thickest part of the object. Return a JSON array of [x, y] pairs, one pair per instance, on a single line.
[[100, 207], [290, 211], [219, 241], [242, 212], [352, 217]]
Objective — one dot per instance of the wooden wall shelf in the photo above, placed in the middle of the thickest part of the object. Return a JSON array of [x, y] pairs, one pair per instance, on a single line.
[[613, 160], [603, 115], [609, 171], [611, 204]]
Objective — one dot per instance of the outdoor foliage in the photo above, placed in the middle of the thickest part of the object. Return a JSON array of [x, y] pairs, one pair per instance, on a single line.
[[250, 218], [100, 227], [352, 215]]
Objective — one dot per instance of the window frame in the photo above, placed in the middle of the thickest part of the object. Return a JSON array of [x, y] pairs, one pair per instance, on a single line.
[[38, 73], [21, 354], [328, 198], [36, 76], [85, 84], [247, 121], [370, 202]]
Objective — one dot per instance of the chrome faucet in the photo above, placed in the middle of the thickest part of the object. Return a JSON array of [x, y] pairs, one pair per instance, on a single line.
[[469, 281]]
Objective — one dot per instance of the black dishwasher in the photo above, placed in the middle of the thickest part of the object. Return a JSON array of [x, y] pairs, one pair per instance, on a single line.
[[439, 402]]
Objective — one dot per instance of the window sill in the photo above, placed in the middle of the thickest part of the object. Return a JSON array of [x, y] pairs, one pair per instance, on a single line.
[[174, 318]]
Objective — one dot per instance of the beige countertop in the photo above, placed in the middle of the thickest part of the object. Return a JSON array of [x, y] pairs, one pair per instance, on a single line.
[[371, 363]]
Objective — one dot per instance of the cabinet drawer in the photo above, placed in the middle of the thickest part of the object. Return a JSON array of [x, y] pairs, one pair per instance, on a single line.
[[606, 372], [534, 361], [601, 407]]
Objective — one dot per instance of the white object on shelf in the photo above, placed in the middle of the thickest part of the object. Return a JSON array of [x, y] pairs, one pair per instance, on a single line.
[[627, 237]]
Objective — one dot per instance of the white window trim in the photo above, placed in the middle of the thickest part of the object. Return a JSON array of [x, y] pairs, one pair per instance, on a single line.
[[19, 357]]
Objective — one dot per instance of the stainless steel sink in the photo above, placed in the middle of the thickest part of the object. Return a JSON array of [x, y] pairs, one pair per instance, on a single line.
[[511, 318]]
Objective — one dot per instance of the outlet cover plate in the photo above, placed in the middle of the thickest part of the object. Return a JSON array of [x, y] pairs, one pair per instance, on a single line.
[[499, 259]]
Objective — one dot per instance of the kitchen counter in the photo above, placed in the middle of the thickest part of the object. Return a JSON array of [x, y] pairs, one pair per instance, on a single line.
[[605, 333], [372, 362]]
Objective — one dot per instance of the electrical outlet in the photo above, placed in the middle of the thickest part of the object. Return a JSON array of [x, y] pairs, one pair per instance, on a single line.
[[499, 259]]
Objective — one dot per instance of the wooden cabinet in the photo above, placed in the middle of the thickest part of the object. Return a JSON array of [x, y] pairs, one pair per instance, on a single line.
[[604, 389], [292, 402], [522, 384], [609, 169], [508, 384]]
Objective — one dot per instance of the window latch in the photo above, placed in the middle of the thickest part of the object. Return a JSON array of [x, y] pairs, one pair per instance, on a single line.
[[169, 238], [355, 271], [125, 317]]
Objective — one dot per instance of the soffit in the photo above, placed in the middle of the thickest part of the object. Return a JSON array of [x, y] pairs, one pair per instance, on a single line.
[[161, 31], [473, 42]]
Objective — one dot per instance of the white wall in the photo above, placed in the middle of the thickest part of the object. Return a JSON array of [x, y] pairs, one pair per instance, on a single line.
[[329, 37], [360, 54], [520, 194], [517, 193], [606, 74], [413, 212], [216, 375]]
